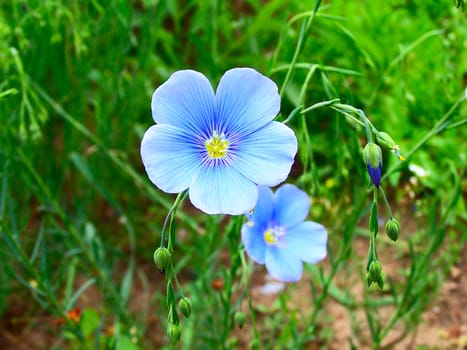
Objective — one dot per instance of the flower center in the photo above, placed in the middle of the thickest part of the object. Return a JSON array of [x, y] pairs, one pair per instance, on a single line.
[[271, 235], [217, 145]]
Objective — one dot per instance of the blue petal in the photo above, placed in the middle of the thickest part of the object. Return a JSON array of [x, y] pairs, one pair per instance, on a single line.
[[262, 213], [291, 205], [246, 100], [185, 100], [375, 174], [266, 156], [220, 189], [307, 241], [283, 266], [252, 238], [169, 157]]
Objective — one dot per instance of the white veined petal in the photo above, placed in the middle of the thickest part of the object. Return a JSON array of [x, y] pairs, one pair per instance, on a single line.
[[220, 189], [169, 157], [185, 100], [246, 100], [266, 156]]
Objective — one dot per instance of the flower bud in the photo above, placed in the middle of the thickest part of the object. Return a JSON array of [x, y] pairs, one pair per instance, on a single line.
[[373, 158], [240, 319], [380, 281], [184, 305], [232, 343], [174, 331], [393, 229], [254, 344], [162, 258], [375, 270], [375, 274], [385, 140]]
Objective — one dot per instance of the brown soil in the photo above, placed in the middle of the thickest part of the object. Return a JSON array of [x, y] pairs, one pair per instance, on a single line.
[[443, 326]]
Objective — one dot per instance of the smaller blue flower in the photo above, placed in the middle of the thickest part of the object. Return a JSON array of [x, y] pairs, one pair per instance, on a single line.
[[278, 235]]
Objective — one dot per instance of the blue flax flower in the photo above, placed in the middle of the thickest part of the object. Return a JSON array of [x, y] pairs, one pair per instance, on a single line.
[[277, 235], [218, 145]]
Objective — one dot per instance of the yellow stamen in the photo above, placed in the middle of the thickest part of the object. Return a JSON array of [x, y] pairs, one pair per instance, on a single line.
[[217, 146], [396, 149], [270, 237]]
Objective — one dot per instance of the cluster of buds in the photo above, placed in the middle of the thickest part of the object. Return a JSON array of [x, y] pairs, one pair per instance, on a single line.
[[163, 261], [373, 158], [174, 329], [375, 274]]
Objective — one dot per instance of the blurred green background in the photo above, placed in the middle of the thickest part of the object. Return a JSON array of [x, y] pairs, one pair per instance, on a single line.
[[80, 220]]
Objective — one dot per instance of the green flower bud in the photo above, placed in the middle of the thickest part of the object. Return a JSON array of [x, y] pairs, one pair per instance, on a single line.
[[372, 155], [393, 229], [254, 344], [162, 258], [240, 319], [375, 274], [375, 270], [184, 305], [232, 343], [380, 281], [385, 140], [174, 332]]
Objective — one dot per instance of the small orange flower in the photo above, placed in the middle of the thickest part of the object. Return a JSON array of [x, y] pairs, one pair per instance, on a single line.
[[74, 315], [217, 284]]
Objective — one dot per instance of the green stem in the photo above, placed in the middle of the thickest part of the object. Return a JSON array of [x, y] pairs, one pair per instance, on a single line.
[[350, 111], [34, 275], [75, 235], [171, 216], [373, 233], [388, 207], [342, 255], [246, 286], [365, 122], [300, 45]]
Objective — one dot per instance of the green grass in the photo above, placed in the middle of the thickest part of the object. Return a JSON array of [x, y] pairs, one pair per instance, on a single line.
[[79, 217]]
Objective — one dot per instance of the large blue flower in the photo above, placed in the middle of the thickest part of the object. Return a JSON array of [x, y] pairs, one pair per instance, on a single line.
[[218, 145], [277, 235]]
